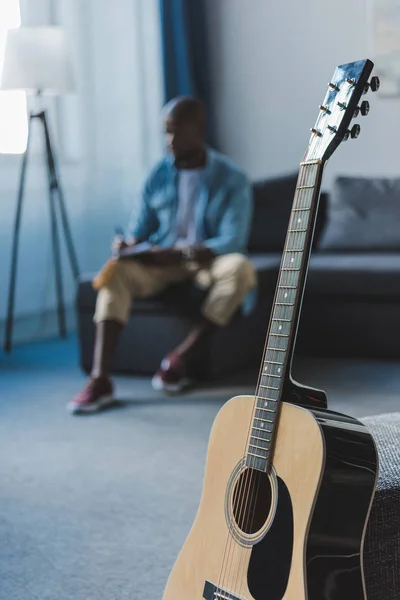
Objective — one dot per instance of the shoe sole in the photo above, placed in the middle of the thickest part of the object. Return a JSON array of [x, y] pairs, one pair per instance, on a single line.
[[76, 409], [159, 385]]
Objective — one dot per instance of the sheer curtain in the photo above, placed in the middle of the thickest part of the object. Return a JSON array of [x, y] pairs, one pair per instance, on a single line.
[[121, 100]]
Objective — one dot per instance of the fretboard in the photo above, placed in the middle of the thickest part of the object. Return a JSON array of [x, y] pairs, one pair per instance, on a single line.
[[284, 316]]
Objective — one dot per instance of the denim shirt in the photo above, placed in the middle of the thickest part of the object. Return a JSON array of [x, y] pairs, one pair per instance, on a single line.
[[223, 211]]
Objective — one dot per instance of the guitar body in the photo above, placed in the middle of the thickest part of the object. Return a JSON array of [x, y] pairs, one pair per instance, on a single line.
[[300, 532]]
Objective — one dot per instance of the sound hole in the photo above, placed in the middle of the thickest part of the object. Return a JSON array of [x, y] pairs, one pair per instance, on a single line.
[[252, 499]]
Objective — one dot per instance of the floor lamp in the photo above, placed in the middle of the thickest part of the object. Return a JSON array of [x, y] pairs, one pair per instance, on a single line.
[[37, 61]]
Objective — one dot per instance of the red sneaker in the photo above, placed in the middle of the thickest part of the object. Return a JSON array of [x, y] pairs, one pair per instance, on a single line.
[[97, 394], [171, 377]]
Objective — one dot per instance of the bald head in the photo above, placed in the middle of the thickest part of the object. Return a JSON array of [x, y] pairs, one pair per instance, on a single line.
[[185, 127]]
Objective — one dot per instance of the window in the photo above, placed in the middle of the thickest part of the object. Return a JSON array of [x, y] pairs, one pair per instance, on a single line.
[[13, 108]]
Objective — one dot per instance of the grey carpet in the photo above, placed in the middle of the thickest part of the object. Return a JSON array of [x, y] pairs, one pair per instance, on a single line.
[[96, 508]]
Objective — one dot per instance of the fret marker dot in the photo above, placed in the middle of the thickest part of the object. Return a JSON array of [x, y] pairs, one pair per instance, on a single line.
[[280, 327], [265, 403], [262, 425], [279, 370], [285, 296], [292, 260]]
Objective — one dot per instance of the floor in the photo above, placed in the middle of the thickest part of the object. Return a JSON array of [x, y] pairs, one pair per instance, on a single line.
[[96, 508]]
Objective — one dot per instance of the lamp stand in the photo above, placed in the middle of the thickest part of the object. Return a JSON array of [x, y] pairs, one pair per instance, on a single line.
[[56, 201]]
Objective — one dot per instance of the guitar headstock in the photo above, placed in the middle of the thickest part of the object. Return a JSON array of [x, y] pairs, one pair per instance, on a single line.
[[340, 106]]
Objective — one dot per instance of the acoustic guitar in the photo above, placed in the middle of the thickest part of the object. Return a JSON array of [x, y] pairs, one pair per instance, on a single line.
[[288, 483]]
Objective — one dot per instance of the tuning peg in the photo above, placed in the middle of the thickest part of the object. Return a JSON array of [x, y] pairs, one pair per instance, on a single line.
[[333, 86], [364, 108], [325, 109], [375, 84], [355, 131], [316, 132], [346, 136]]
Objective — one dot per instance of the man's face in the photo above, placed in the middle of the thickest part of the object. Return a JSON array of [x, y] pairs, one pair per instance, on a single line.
[[183, 137]]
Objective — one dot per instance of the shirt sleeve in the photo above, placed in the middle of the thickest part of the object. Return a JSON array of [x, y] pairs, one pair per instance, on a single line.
[[143, 221], [234, 228]]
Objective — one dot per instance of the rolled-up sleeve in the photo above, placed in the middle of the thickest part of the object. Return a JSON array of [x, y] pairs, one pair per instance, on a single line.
[[234, 227]]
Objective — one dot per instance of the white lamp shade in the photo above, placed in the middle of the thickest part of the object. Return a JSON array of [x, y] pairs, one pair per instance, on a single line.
[[37, 59]]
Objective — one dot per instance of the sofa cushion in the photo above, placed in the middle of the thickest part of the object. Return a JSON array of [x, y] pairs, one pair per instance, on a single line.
[[361, 275], [363, 215], [382, 542], [273, 200]]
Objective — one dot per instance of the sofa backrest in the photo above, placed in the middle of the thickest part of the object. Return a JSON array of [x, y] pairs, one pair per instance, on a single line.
[[273, 200]]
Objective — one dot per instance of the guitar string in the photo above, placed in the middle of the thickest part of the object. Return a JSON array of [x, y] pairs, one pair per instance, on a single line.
[[294, 239], [251, 493], [227, 561], [247, 480]]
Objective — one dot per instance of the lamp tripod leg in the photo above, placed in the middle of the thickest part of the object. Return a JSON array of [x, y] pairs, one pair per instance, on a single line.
[[61, 203], [54, 234], [14, 252]]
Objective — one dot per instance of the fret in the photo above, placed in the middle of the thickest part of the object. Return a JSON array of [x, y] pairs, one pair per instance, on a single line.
[[262, 424], [272, 362], [289, 269], [284, 321], [258, 438], [288, 287], [283, 312], [269, 410], [256, 455], [261, 452], [301, 209], [275, 376], [305, 187], [280, 335], [277, 349], [263, 434], [269, 398], [284, 304], [297, 230], [261, 429], [268, 387], [256, 463], [259, 442]]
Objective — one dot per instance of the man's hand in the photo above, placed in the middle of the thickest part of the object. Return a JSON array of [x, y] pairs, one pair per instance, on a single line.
[[119, 244]]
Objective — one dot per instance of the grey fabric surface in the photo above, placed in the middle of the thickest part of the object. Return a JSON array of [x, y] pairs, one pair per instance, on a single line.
[[363, 214], [373, 275], [382, 546], [97, 508]]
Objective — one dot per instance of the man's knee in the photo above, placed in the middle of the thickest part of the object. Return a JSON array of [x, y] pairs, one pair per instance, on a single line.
[[238, 268]]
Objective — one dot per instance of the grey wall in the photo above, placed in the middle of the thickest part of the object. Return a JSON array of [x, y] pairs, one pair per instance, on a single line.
[[271, 62]]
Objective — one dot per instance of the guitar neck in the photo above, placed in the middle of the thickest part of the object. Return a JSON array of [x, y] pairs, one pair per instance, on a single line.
[[285, 314]]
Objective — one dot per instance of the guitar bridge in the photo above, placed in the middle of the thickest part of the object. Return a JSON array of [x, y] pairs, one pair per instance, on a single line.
[[213, 592]]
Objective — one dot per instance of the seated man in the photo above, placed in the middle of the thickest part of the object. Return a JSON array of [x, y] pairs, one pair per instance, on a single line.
[[195, 211]]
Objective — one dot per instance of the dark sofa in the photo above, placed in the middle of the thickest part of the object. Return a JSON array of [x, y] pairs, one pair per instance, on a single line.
[[351, 305]]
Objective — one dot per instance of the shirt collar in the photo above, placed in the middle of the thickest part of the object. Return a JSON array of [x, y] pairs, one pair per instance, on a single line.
[[207, 168]]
